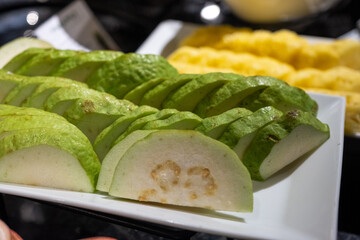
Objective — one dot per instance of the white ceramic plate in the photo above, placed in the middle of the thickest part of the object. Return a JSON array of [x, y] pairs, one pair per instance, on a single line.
[[300, 202]]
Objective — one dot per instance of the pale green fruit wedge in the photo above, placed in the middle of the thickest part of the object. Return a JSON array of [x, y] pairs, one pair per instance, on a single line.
[[48, 158], [23, 90], [105, 140], [240, 133], [282, 142], [8, 81], [124, 73], [284, 98], [81, 66], [20, 118], [215, 126], [94, 113], [91, 97], [26, 116], [136, 95], [232, 93], [13, 122], [13, 48], [64, 97], [8, 110], [46, 150], [19, 95], [44, 90], [180, 120], [183, 167], [158, 94], [4, 108], [189, 95], [90, 110], [138, 124], [43, 63], [22, 58], [113, 157]]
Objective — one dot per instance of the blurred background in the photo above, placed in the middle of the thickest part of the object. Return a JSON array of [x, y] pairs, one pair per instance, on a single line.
[[129, 23]]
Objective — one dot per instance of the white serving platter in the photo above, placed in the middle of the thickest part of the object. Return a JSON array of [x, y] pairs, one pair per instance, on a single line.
[[300, 202]]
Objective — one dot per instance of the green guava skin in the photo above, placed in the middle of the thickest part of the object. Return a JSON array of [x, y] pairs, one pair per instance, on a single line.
[[81, 66], [124, 73], [187, 97], [216, 125], [105, 140], [272, 134]]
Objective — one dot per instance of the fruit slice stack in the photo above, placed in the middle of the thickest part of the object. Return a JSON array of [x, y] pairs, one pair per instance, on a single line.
[[202, 102], [207, 116]]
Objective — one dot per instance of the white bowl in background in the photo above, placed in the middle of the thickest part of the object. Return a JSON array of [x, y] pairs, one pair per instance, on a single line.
[[273, 11]]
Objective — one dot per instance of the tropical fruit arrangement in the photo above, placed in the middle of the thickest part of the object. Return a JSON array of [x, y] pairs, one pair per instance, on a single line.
[[331, 67], [129, 125]]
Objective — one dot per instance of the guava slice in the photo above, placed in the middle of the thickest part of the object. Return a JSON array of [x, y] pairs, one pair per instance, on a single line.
[[8, 82], [282, 142], [18, 61], [94, 98], [284, 98], [189, 95], [88, 109], [12, 49], [136, 94], [240, 133], [80, 67], [186, 168], [39, 96], [26, 120], [124, 73], [232, 93], [45, 150], [44, 62], [113, 157], [139, 123], [8, 110], [105, 140], [23, 90], [215, 126], [20, 94], [180, 120], [158, 94], [48, 158]]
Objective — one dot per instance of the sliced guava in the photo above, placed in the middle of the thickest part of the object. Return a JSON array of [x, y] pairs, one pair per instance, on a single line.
[[8, 82], [183, 167], [180, 120], [136, 94], [105, 140], [282, 142], [216, 125], [44, 62], [158, 94], [81, 66], [113, 157], [232, 93], [12, 49], [190, 94], [239, 134], [124, 73]]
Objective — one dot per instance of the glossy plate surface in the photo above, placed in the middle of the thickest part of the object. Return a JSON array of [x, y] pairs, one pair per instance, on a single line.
[[300, 202]]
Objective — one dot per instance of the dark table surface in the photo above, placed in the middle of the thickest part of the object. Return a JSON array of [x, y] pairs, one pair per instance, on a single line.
[[130, 23]]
